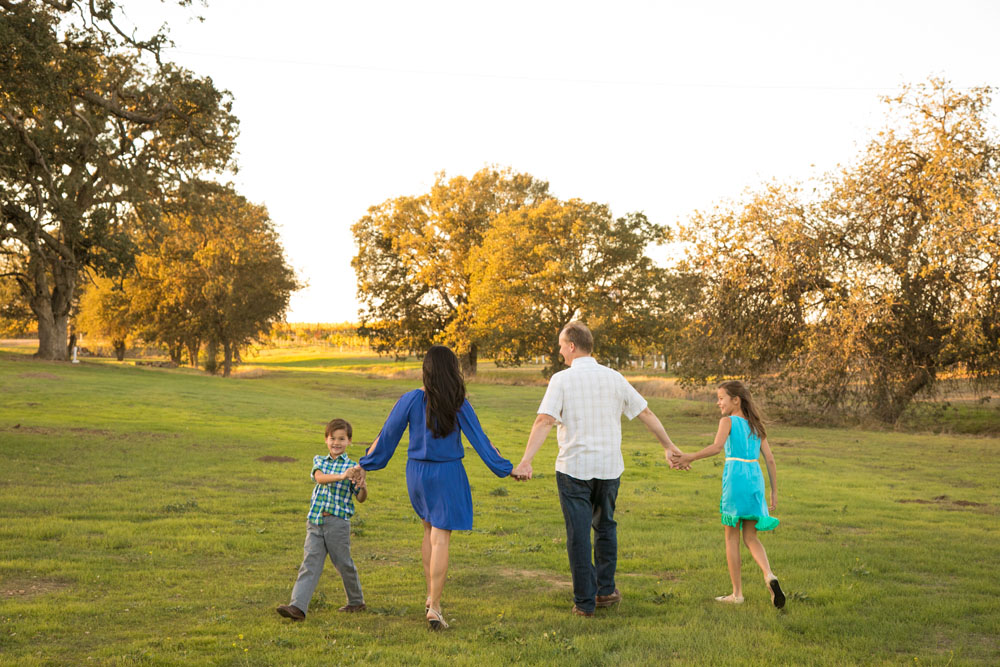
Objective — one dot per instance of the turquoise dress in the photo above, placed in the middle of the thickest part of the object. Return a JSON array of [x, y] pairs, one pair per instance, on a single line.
[[743, 481]]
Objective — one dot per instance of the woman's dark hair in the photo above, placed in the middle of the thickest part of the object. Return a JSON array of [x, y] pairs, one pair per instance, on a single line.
[[445, 390], [737, 389]]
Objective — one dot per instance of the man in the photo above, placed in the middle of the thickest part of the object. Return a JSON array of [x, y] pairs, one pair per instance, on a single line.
[[587, 400]]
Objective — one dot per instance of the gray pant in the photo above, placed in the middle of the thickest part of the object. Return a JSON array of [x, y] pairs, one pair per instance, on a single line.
[[333, 538]]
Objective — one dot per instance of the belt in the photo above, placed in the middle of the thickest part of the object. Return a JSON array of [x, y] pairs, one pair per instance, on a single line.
[[744, 460]]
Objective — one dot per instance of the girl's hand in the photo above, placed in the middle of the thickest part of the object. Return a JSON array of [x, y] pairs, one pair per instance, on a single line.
[[774, 503]]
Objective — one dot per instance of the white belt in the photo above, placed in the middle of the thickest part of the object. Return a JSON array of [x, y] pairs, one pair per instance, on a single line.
[[744, 460]]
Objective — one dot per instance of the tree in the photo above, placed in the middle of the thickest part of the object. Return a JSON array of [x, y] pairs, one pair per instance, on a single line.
[[215, 273], [94, 126], [15, 316], [861, 298], [413, 261], [760, 269], [913, 233], [106, 310], [543, 265]]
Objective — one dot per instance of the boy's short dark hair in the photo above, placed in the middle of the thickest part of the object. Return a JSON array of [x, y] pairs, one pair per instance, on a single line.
[[339, 425], [578, 334]]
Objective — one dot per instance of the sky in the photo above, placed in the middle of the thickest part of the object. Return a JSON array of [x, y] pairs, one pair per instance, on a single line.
[[659, 107]]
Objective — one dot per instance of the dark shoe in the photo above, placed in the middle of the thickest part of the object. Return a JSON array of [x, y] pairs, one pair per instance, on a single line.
[[353, 607], [294, 613], [579, 612], [777, 597], [609, 600]]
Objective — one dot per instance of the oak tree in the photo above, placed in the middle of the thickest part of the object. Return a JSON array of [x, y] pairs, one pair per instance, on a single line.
[[94, 127], [413, 262]]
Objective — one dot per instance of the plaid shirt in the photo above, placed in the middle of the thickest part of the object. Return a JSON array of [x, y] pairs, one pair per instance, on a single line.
[[337, 498]]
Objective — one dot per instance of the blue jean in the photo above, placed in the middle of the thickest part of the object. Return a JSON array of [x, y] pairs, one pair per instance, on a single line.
[[586, 504]]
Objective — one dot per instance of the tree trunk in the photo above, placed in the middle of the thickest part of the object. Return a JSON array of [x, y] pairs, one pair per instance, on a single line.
[[227, 358], [212, 357], [51, 335], [176, 350], [193, 348], [119, 346], [555, 363], [51, 307], [470, 360]]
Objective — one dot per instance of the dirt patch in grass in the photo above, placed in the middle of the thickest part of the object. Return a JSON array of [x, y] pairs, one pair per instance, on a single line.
[[29, 588], [276, 459], [555, 580], [947, 503], [92, 432], [37, 375]]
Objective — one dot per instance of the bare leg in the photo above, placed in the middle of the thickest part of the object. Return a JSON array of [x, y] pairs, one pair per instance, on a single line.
[[438, 566], [733, 561], [756, 549], [425, 556], [759, 555]]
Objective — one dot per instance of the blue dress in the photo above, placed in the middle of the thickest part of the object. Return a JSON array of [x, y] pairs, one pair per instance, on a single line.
[[435, 477], [742, 481]]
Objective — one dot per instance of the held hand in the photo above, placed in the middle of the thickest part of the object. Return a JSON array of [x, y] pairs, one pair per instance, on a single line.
[[522, 472], [678, 460]]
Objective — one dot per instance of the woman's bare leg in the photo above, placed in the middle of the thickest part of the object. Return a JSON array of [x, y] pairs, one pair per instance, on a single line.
[[438, 565], [425, 556]]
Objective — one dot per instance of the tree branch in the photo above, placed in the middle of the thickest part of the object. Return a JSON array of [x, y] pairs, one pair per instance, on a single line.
[[110, 106]]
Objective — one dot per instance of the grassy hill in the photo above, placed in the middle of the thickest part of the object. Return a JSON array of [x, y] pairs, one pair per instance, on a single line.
[[155, 516]]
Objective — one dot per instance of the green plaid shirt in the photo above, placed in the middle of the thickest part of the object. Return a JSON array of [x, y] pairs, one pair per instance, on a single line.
[[337, 498]]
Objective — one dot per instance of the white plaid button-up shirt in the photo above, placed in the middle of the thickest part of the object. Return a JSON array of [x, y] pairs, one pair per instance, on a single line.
[[588, 400]]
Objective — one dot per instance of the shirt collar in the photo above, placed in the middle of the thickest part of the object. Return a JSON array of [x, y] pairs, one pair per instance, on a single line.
[[584, 361], [342, 456]]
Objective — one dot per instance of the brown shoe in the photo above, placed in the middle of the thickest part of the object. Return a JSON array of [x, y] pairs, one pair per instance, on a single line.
[[608, 600], [350, 608], [579, 612], [292, 612]]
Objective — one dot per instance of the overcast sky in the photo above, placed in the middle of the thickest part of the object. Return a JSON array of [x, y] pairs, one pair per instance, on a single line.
[[657, 107]]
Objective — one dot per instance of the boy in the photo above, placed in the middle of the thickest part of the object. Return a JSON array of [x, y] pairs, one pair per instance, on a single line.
[[328, 529]]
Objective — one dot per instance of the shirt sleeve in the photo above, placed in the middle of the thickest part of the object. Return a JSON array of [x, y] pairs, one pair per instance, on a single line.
[[317, 465], [634, 403], [469, 423], [552, 402], [388, 438]]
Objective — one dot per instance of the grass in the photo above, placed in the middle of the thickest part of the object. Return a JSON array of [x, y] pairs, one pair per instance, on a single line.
[[150, 516]]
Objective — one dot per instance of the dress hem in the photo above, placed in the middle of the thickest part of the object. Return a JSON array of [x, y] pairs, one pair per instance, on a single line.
[[763, 523]]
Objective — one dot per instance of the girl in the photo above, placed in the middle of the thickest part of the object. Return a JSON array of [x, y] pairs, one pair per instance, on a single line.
[[742, 433], [436, 415]]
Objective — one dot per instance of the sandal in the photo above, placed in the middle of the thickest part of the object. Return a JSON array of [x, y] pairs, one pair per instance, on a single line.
[[731, 599], [436, 620], [777, 596]]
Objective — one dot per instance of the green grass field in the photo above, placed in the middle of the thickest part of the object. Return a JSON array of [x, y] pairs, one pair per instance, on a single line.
[[145, 520]]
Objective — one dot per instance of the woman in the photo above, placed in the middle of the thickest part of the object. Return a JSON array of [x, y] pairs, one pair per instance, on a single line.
[[435, 478]]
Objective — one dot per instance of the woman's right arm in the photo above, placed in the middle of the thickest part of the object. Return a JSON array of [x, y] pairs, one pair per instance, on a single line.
[[388, 438]]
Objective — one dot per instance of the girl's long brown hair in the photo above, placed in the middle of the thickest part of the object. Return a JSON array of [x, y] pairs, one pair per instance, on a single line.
[[737, 389], [445, 390]]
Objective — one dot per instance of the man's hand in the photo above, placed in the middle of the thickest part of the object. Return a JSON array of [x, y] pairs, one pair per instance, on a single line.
[[678, 460], [522, 472]]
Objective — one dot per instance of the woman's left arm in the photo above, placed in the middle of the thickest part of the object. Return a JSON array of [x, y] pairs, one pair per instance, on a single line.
[[469, 423]]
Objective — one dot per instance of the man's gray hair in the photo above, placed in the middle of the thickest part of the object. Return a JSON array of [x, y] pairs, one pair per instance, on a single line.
[[578, 334]]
